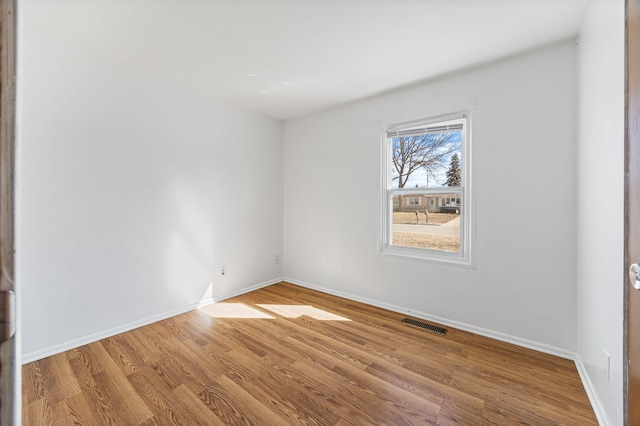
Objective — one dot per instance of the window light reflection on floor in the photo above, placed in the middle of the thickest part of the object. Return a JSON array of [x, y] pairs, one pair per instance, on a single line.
[[241, 310], [233, 310], [296, 311]]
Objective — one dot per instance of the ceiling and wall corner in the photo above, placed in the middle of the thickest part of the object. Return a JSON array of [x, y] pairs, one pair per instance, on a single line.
[[288, 59]]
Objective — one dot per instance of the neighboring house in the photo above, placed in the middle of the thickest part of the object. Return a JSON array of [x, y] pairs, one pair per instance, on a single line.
[[432, 203]]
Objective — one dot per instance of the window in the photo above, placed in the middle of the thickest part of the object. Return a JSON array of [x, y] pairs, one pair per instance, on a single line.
[[427, 163]]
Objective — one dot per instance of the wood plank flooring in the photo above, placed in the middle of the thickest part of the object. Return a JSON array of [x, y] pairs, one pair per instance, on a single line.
[[288, 355]]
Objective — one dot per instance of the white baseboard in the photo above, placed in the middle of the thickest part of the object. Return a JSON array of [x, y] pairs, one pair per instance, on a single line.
[[245, 290], [596, 404], [52, 350], [94, 337], [518, 341], [540, 347]]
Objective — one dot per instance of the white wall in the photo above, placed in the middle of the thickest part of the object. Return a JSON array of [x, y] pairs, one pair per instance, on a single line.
[[525, 181], [132, 193], [600, 216]]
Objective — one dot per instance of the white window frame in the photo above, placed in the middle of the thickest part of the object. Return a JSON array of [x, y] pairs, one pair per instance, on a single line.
[[465, 256]]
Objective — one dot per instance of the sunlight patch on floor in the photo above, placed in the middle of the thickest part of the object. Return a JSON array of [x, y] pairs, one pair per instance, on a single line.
[[296, 311], [233, 310]]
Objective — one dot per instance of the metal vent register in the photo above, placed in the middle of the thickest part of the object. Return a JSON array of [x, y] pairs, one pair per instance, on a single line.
[[438, 330]]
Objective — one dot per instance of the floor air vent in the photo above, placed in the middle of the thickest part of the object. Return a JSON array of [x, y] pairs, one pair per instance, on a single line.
[[433, 328]]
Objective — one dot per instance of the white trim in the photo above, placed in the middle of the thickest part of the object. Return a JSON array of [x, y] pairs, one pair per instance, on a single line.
[[594, 400], [242, 291], [428, 191], [466, 256], [518, 341], [418, 254], [94, 337], [426, 122], [596, 404]]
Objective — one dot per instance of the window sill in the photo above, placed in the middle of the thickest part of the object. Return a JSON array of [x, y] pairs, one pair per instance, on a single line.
[[429, 256]]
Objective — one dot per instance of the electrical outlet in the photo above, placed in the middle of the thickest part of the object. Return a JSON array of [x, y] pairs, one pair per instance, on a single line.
[[606, 365], [223, 270], [277, 259]]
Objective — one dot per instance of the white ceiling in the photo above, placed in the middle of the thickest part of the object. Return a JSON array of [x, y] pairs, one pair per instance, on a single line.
[[289, 58]]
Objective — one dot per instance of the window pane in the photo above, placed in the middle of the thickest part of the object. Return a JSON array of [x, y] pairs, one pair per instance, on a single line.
[[427, 221], [426, 183], [426, 160]]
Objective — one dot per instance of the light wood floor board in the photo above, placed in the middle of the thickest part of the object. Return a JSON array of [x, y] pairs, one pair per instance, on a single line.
[[288, 355]]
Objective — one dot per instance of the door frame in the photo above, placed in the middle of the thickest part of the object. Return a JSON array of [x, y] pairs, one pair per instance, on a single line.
[[626, 260], [10, 394]]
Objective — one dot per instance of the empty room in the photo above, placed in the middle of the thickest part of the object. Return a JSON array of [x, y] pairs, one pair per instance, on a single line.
[[321, 212]]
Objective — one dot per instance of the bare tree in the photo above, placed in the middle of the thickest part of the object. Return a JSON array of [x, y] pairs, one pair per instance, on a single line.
[[428, 151]]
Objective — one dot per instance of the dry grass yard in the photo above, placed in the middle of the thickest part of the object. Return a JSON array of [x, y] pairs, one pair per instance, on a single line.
[[410, 217], [436, 242]]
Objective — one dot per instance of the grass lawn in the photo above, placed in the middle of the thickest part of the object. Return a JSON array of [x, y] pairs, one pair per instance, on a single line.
[[410, 217]]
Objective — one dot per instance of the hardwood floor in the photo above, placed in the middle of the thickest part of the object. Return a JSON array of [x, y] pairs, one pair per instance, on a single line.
[[289, 355]]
